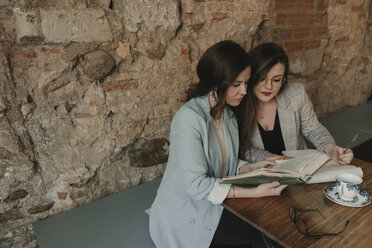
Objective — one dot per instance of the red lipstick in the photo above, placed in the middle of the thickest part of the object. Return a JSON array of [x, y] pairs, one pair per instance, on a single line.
[[266, 93]]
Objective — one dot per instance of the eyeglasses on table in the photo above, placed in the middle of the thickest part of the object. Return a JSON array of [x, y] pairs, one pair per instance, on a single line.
[[303, 227]]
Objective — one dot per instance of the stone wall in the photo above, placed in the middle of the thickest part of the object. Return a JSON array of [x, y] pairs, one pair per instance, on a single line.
[[88, 89]]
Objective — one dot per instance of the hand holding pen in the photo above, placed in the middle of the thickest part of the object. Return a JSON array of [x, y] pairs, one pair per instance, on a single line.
[[351, 142], [341, 155]]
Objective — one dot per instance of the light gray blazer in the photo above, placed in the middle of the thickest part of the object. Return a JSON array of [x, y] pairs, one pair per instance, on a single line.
[[181, 215], [297, 121]]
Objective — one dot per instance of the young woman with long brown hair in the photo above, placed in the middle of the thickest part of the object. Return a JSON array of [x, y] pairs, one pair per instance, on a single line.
[[276, 115]]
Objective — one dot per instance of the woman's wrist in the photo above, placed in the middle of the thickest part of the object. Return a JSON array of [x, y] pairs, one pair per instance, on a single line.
[[267, 189], [245, 192], [330, 149]]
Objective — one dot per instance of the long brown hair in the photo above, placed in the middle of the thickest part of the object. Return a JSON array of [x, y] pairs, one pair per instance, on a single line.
[[218, 67], [264, 57]]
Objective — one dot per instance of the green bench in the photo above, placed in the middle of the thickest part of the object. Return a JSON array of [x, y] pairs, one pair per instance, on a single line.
[[118, 220], [343, 125]]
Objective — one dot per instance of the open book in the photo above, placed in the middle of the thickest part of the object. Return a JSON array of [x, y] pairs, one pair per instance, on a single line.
[[306, 166]]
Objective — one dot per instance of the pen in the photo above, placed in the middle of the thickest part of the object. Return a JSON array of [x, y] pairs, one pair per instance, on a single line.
[[351, 142]]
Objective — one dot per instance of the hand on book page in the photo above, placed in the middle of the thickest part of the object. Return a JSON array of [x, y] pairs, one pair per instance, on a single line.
[[262, 164], [296, 170], [248, 167], [274, 158]]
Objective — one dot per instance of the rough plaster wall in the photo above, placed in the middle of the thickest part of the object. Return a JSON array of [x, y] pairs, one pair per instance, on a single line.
[[85, 103], [85, 108], [345, 77]]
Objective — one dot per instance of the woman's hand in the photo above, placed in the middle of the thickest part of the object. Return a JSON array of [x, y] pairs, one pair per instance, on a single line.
[[269, 189], [276, 157], [338, 155], [263, 164], [255, 166]]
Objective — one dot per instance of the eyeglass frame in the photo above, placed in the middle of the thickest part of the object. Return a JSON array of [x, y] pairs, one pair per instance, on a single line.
[[263, 82], [306, 233]]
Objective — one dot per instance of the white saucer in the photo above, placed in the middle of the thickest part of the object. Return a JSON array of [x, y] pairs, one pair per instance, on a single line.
[[361, 200]]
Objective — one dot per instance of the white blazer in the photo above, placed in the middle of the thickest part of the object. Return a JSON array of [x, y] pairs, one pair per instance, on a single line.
[[297, 121]]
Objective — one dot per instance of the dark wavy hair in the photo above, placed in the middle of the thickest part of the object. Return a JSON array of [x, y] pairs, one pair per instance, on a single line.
[[218, 67], [264, 57]]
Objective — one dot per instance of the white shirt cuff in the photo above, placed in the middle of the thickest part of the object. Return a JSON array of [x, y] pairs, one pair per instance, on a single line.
[[240, 164], [219, 192]]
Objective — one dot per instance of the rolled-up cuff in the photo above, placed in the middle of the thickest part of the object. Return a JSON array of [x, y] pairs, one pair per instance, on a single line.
[[240, 164], [219, 192]]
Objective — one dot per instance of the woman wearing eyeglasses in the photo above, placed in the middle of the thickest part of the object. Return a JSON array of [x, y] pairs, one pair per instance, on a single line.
[[277, 116]]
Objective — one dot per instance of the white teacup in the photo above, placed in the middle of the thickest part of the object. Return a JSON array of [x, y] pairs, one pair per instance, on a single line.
[[348, 185]]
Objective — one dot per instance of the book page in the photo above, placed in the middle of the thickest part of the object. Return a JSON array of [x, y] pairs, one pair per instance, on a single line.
[[314, 165], [295, 164]]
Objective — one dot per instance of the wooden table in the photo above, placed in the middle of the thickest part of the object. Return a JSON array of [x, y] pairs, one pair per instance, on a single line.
[[271, 215]]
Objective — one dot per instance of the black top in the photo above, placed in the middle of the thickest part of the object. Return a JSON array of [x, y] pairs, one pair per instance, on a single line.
[[273, 139]]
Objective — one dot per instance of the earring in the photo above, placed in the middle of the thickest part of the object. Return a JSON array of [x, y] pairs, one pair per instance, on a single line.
[[213, 95]]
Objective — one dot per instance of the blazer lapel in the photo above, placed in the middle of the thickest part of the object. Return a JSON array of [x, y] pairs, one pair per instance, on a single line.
[[287, 123]]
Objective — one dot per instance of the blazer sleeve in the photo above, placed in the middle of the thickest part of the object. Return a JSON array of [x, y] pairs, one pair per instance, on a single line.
[[311, 128], [187, 138], [254, 154]]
